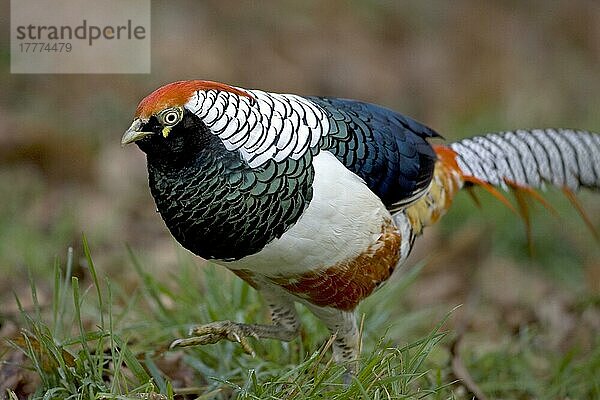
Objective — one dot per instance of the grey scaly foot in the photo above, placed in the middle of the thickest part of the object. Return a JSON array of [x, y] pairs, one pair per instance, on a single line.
[[285, 327], [217, 331]]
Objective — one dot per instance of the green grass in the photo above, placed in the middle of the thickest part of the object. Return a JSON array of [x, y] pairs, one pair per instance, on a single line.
[[103, 340], [107, 337]]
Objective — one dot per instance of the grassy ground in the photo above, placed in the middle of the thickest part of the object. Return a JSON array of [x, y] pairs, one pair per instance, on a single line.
[[90, 336], [103, 341]]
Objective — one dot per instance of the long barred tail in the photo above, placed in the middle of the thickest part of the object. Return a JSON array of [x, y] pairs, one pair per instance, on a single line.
[[520, 161], [567, 159]]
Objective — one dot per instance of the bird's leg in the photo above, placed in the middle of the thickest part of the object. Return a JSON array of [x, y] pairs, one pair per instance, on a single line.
[[285, 327], [346, 345]]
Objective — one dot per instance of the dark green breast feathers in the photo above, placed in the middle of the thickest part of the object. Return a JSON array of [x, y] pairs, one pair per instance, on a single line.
[[213, 203]]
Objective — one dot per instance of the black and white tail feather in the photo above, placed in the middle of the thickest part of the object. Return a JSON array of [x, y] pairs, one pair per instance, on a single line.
[[565, 158]]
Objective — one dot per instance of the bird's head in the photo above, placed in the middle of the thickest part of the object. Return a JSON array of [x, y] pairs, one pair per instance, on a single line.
[[165, 123]]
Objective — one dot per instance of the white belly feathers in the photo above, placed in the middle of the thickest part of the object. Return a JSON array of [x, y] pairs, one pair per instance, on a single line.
[[342, 220]]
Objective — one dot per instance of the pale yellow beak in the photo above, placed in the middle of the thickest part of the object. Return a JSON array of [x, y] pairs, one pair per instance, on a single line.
[[133, 134]]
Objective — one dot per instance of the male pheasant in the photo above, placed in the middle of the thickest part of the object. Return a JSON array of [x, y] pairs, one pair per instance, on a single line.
[[317, 200]]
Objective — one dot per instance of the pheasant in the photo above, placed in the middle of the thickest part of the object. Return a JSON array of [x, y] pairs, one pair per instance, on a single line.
[[318, 200]]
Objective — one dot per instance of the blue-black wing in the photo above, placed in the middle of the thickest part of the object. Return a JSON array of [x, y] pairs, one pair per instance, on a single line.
[[387, 150]]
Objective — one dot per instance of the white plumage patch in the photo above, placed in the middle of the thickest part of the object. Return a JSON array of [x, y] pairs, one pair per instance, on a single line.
[[269, 126], [343, 220]]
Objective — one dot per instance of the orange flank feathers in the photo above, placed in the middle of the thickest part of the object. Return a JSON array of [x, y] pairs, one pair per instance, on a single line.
[[176, 94], [447, 180], [344, 285], [447, 157]]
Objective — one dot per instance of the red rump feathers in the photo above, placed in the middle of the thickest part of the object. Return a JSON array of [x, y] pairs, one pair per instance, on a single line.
[[177, 94]]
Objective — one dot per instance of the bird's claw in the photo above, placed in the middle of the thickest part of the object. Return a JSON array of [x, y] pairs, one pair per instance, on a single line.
[[215, 332]]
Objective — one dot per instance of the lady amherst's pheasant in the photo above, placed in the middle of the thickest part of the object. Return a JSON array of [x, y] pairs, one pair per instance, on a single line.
[[317, 200]]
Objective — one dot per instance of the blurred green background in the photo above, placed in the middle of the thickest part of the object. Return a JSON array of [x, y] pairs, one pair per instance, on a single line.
[[462, 67]]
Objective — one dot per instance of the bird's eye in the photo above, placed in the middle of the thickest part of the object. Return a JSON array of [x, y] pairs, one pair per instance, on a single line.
[[171, 117]]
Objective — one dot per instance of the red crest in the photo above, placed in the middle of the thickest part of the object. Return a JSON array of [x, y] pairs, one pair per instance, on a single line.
[[177, 94]]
